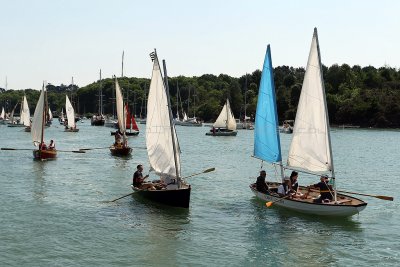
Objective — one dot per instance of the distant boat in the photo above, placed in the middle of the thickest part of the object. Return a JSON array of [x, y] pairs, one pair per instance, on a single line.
[[98, 119], [225, 125], [61, 119], [120, 147], [37, 130], [310, 149], [71, 124], [130, 124], [24, 115], [287, 127], [162, 144], [3, 118]]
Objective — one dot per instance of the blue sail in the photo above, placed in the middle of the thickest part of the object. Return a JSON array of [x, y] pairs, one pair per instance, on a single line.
[[267, 145]]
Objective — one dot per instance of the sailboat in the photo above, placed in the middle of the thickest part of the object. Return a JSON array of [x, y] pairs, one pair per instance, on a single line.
[[13, 122], [24, 120], [71, 125], [130, 124], [37, 131], [120, 147], [98, 119], [3, 116], [310, 149], [162, 144], [225, 125], [61, 118]]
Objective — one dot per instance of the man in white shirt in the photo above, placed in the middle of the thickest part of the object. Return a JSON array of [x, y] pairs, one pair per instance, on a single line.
[[283, 189]]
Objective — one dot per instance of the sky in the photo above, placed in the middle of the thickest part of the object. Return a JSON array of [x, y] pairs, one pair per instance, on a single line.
[[55, 40]]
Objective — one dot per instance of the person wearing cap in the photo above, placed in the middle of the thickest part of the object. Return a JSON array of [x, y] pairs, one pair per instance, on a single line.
[[284, 189], [261, 185], [325, 190]]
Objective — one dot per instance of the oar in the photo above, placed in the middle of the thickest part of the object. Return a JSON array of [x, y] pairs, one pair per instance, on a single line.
[[270, 203], [94, 148], [205, 171], [73, 151], [122, 196], [8, 148], [367, 195]]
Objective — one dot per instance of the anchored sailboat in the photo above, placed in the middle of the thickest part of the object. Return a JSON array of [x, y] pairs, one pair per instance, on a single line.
[[37, 131], [71, 125], [310, 148], [98, 119], [225, 125], [120, 147], [162, 144]]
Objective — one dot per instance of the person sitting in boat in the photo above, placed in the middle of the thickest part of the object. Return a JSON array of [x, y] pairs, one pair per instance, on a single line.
[[118, 137], [52, 145], [43, 146], [283, 189], [325, 190], [261, 185], [293, 181], [138, 179]]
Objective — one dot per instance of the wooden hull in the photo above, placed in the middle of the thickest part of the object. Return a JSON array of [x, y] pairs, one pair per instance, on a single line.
[[71, 130], [346, 206], [134, 133], [44, 154], [190, 124], [120, 151], [222, 133], [175, 197], [15, 125], [95, 122]]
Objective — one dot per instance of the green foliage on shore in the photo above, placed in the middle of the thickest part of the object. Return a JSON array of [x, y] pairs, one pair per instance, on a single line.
[[364, 96]]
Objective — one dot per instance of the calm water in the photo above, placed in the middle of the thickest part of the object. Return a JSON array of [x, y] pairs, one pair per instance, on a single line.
[[56, 213]]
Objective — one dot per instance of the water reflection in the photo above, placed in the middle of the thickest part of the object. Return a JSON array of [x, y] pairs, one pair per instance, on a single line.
[[282, 236], [164, 229], [39, 182]]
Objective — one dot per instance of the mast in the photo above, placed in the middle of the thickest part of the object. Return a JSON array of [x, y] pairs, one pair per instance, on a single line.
[[326, 114], [43, 116], [227, 113], [122, 72], [101, 97], [171, 122], [245, 101]]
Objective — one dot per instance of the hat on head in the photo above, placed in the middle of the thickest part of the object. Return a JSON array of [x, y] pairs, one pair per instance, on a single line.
[[286, 178]]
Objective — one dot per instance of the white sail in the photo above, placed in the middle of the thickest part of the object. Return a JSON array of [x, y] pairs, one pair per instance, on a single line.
[[38, 120], [25, 114], [70, 113], [185, 117], [3, 114], [12, 114], [231, 122], [158, 128], [50, 115], [310, 148], [226, 118], [120, 107], [222, 118]]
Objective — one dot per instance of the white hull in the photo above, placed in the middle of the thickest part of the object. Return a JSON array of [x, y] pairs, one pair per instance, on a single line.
[[336, 210]]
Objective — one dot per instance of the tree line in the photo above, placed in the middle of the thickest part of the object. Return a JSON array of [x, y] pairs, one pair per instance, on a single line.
[[364, 96]]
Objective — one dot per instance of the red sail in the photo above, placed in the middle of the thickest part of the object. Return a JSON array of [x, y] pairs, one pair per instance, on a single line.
[[128, 116], [134, 125]]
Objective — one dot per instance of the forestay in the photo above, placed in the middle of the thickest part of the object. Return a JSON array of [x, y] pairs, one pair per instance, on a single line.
[[70, 113], [38, 120], [266, 133], [310, 148], [158, 128]]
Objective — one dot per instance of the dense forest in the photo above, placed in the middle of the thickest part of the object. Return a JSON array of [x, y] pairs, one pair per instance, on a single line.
[[364, 96]]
